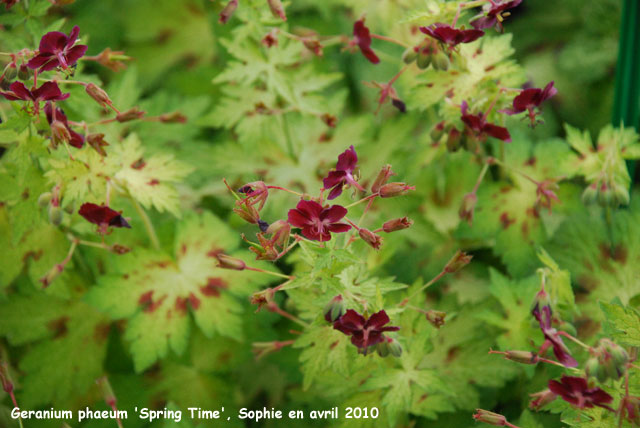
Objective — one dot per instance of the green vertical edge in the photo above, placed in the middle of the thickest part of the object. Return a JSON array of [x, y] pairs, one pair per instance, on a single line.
[[627, 91]]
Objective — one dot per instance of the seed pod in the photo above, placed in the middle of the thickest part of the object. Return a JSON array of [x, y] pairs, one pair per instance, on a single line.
[[383, 176], [391, 190], [436, 318], [55, 215], [44, 199], [395, 348], [228, 11], [232, 263], [98, 94], [24, 72], [372, 239], [277, 9], [10, 72], [397, 224], [523, 357], [440, 61], [490, 418], [409, 55]]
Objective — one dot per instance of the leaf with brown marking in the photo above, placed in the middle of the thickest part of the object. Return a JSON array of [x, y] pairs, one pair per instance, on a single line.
[[157, 291]]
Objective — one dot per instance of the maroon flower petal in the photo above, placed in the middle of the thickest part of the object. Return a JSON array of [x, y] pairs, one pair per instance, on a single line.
[[347, 160], [338, 228], [102, 215], [498, 132], [333, 214], [39, 60], [49, 91], [21, 91], [362, 37], [378, 319], [484, 22], [311, 209], [548, 92], [75, 53], [333, 179], [352, 320], [526, 98], [77, 140], [52, 41], [336, 191], [73, 36]]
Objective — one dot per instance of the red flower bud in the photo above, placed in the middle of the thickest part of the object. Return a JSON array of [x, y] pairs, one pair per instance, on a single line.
[[383, 176], [541, 399], [228, 262], [277, 9], [490, 418], [459, 260], [397, 224], [228, 11], [174, 117], [468, 207], [395, 189], [370, 238], [98, 94], [334, 309], [131, 114]]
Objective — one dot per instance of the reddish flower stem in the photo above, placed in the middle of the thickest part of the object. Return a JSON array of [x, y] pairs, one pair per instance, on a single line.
[[268, 272], [273, 307], [389, 39], [286, 190], [362, 200], [433, 281]]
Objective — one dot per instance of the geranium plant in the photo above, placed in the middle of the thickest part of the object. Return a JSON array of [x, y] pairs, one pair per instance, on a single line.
[[308, 205]]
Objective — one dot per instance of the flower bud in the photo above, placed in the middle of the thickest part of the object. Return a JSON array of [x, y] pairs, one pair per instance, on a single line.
[[59, 133], [270, 39], [174, 117], [609, 361], [262, 298], [98, 94], [440, 61], [70, 208], [454, 140], [228, 11], [277, 9], [541, 399], [55, 215], [370, 238], [247, 212], [334, 309], [424, 54], [490, 418], [228, 262], [44, 199], [10, 72], [522, 357], [409, 55], [24, 72], [459, 260], [395, 348], [97, 142], [383, 176], [382, 348], [112, 59], [133, 113], [395, 189], [397, 224], [280, 231], [468, 207], [313, 44], [436, 318], [631, 405], [620, 195], [437, 132]]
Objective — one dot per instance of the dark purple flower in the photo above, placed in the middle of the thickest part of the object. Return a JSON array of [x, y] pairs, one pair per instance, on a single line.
[[8, 3], [529, 99], [575, 390], [57, 49], [364, 332], [343, 174], [451, 36], [76, 140], [317, 222], [48, 91], [478, 125], [102, 215], [494, 17], [362, 37], [552, 337]]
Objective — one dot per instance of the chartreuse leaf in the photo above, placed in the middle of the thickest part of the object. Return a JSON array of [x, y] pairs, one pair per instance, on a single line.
[[156, 291], [71, 338], [515, 299], [509, 214], [603, 166], [148, 180], [599, 256], [622, 324], [557, 282], [485, 62]]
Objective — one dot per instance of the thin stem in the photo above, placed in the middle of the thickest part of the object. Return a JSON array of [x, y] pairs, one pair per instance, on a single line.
[[147, 223], [362, 200], [287, 134], [390, 40], [275, 308], [286, 190], [485, 168], [433, 281], [268, 272], [570, 337]]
